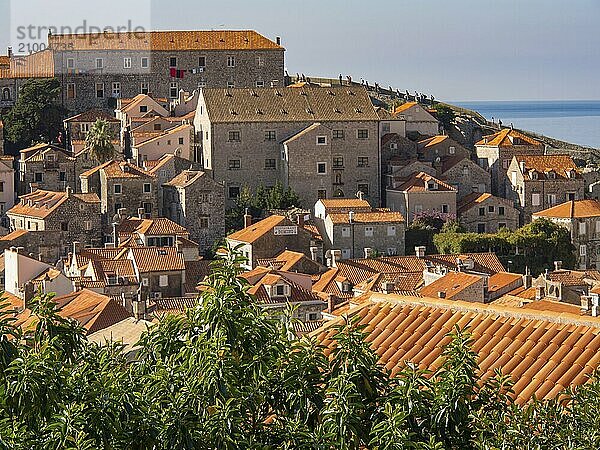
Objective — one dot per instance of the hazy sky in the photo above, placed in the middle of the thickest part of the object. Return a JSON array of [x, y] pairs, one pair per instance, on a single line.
[[455, 50]]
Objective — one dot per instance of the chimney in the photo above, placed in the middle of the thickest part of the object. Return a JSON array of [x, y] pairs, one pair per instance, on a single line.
[[522, 166], [441, 294], [300, 219], [247, 219], [141, 213], [139, 309], [69, 191], [278, 40], [539, 292], [313, 253], [527, 279], [336, 255], [330, 303], [351, 217], [368, 252], [76, 247], [420, 251], [360, 195], [388, 287], [557, 265], [33, 187]]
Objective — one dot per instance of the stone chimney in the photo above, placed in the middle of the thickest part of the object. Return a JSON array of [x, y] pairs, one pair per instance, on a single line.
[[247, 219], [557, 265], [77, 247], [351, 216], [139, 309], [522, 166], [368, 252], [330, 303], [300, 219], [336, 255], [141, 213], [527, 278], [420, 251], [69, 191], [313, 253]]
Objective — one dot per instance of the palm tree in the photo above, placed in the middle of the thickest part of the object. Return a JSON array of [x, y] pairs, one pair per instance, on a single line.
[[99, 141]]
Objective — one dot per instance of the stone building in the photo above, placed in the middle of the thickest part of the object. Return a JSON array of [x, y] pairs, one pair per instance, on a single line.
[[582, 219], [485, 213], [321, 142], [539, 182], [464, 174], [419, 121], [76, 217], [16, 70], [96, 69], [419, 193], [7, 187], [78, 126], [358, 230], [178, 139], [45, 166], [196, 201], [122, 185], [435, 148], [161, 270], [495, 153]]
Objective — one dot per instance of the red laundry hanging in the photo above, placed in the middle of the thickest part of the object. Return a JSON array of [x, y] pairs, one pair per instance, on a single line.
[[173, 72]]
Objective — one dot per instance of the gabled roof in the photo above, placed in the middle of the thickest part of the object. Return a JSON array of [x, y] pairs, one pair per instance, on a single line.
[[451, 285], [185, 178], [157, 259], [308, 104], [270, 277], [542, 165], [160, 226], [475, 199], [418, 182], [40, 204], [35, 65], [432, 141], [92, 115], [404, 107], [508, 138], [542, 351], [344, 205], [574, 209], [34, 152], [257, 230], [164, 41], [119, 169], [162, 134], [375, 216]]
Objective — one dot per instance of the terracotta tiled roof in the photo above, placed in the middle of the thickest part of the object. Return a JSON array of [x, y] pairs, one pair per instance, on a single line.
[[418, 182], [404, 107], [35, 152], [257, 230], [185, 178], [432, 141], [307, 105], [541, 165], [269, 277], [160, 226], [164, 41], [40, 204], [375, 216], [287, 258], [574, 209], [543, 352], [176, 129], [122, 268], [475, 199], [501, 280], [508, 138], [35, 65], [14, 235], [451, 285], [174, 305], [157, 259], [92, 115], [402, 282], [553, 306], [573, 277], [344, 205]]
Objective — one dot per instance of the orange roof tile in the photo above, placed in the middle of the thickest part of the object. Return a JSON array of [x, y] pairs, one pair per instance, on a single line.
[[542, 351], [432, 141], [474, 199], [375, 216], [157, 259], [165, 41], [257, 230], [41, 204], [501, 280], [574, 209], [35, 65], [419, 182], [404, 107], [508, 138], [451, 285], [333, 205], [541, 165]]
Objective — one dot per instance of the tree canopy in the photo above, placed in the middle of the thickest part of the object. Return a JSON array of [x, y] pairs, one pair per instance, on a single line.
[[226, 376], [536, 245], [99, 141], [36, 115]]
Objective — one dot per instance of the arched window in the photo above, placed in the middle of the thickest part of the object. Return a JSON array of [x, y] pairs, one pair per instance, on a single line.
[[6, 94], [338, 193]]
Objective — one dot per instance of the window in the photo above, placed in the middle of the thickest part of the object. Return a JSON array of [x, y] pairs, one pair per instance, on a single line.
[[71, 90], [338, 134], [203, 222], [234, 136], [88, 225], [157, 126], [445, 209], [570, 196], [231, 61], [260, 61], [582, 250], [234, 191], [491, 208], [38, 177], [392, 251], [582, 228], [260, 84], [126, 63], [338, 162], [118, 206], [202, 61], [145, 281], [230, 84], [172, 61], [535, 199], [363, 134], [64, 226], [465, 171], [391, 230], [270, 135], [481, 227], [368, 231], [116, 89], [321, 168], [346, 253], [505, 163], [163, 280], [385, 128], [270, 164], [180, 141], [145, 62], [364, 188], [311, 317], [346, 232], [70, 63], [147, 207], [551, 199], [83, 127], [99, 90], [321, 140], [2, 188], [452, 150], [173, 89], [235, 164], [482, 211], [321, 193], [500, 210], [145, 87], [363, 161], [118, 189], [99, 63], [598, 226], [62, 176], [147, 188]]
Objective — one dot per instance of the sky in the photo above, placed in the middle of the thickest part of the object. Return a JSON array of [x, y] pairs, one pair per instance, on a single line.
[[459, 50]]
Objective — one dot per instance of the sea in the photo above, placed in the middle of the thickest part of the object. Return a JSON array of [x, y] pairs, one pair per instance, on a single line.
[[573, 121]]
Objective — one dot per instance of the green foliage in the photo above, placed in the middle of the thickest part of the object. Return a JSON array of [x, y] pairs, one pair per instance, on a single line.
[[99, 141], [226, 376], [36, 115], [445, 114], [536, 245], [260, 201]]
